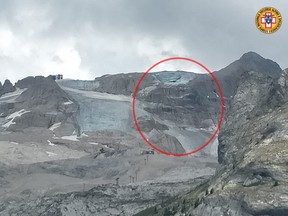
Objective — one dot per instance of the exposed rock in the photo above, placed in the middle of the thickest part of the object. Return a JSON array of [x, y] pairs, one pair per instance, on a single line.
[[43, 93], [28, 81], [43, 104], [167, 143], [7, 88], [123, 83], [104, 200], [147, 124]]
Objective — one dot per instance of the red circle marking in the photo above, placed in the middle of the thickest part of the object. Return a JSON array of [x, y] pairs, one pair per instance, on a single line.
[[222, 107]]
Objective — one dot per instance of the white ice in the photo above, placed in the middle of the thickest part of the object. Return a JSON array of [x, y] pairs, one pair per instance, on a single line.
[[13, 116], [72, 138], [51, 154], [49, 143], [56, 125], [68, 102]]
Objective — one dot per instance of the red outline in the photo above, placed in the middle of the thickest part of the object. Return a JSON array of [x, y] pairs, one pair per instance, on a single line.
[[222, 108]]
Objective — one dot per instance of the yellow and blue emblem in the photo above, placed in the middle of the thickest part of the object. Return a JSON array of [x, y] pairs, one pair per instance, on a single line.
[[268, 20]]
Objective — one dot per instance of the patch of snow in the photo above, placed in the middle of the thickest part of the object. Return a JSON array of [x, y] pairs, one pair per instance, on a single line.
[[93, 143], [99, 95], [86, 85], [72, 138], [49, 143], [105, 146], [216, 94], [15, 143], [56, 125], [51, 154], [17, 114], [68, 103], [84, 135], [1, 114], [13, 116], [12, 94], [9, 123]]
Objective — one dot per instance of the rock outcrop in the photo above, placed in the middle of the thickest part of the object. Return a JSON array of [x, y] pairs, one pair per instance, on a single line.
[[42, 104], [6, 88]]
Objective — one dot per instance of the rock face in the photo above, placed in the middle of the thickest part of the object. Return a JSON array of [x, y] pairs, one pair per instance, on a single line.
[[122, 83], [104, 200], [167, 143], [28, 81], [42, 104], [43, 93], [252, 176], [6, 88]]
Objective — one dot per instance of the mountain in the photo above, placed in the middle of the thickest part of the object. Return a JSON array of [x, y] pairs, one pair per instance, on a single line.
[[251, 178], [71, 147]]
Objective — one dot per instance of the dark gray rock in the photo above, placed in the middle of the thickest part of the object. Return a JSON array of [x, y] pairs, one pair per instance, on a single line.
[[147, 124], [167, 143], [7, 87], [123, 83], [43, 93], [44, 102], [28, 81]]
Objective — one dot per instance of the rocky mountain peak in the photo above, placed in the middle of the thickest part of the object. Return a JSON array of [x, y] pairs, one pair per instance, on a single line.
[[251, 61], [41, 92], [7, 87], [251, 55]]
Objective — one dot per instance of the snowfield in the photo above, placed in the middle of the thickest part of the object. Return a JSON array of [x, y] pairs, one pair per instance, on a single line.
[[11, 117], [10, 97], [99, 95]]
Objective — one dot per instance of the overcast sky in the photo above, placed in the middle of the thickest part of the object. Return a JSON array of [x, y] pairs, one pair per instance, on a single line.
[[84, 39]]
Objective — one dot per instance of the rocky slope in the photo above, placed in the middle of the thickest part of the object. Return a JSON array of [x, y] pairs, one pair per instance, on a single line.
[[252, 177], [41, 103]]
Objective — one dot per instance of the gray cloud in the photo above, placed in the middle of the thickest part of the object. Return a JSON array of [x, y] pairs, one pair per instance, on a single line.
[[92, 38]]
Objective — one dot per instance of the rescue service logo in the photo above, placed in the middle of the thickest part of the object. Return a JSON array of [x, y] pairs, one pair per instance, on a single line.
[[268, 20]]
